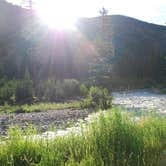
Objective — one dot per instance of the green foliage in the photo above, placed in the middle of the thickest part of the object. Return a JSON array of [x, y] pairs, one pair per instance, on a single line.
[[19, 91], [7, 92], [71, 87], [117, 53], [49, 90], [53, 90], [6, 108], [97, 98], [23, 153], [114, 139], [102, 65], [24, 89], [27, 75], [16, 91], [84, 90], [60, 93]]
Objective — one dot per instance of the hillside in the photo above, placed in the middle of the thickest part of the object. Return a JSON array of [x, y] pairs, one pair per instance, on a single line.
[[137, 48], [12, 20]]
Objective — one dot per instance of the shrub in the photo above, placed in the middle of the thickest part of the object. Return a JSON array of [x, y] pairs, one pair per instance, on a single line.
[[84, 90], [2, 81], [98, 98], [58, 90], [71, 87], [7, 92], [24, 91], [49, 90], [39, 90], [60, 93]]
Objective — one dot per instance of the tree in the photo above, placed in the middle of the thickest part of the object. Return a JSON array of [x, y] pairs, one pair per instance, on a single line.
[[24, 90], [101, 67], [103, 11]]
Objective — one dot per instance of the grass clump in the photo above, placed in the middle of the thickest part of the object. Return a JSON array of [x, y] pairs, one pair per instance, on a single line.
[[97, 98], [114, 139]]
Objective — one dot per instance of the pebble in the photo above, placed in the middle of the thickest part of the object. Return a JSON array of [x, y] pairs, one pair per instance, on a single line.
[[42, 120]]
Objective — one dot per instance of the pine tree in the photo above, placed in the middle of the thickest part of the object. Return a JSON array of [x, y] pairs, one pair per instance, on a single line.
[[103, 11], [101, 67]]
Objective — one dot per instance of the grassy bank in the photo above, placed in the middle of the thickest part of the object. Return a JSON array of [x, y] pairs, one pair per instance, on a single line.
[[96, 98], [114, 139], [38, 107]]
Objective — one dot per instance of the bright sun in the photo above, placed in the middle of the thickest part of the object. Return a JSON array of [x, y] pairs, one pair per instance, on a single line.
[[57, 14]]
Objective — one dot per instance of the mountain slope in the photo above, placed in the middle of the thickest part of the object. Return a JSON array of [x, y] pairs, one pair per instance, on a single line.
[[138, 47]]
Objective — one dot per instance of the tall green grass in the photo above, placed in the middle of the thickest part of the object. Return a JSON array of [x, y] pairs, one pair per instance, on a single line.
[[114, 139]]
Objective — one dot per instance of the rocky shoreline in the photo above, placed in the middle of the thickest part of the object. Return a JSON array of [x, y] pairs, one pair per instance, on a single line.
[[43, 121], [61, 119]]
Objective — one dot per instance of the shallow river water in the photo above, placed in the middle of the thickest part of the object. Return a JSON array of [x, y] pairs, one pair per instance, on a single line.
[[133, 100], [141, 99], [137, 101]]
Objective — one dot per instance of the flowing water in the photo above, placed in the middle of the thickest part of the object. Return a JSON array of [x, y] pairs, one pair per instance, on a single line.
[[141, 100], [132, 100], [137, 101]]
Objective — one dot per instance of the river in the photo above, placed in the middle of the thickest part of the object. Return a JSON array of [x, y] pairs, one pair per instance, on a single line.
[[136, 100], [141, 100]]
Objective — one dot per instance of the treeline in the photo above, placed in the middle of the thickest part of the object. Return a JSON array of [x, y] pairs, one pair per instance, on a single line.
[[138, 56], [51, 90], [23, 91]]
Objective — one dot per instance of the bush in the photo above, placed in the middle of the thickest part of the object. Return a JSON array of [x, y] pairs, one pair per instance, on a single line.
[[98, 98], [58, 90], [84, 90], [49, 90], [16, 91], [71, 87], [39, 90], [24, 91], [7, 92], [60, 93]]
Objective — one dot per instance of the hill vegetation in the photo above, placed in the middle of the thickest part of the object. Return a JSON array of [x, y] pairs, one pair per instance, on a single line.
[[111, 50], [138, 51]]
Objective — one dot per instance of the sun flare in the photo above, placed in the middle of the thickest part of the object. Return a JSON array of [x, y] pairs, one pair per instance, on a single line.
[[57, 14]]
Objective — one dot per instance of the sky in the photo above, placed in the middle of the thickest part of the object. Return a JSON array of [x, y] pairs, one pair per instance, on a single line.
[[153, 11]]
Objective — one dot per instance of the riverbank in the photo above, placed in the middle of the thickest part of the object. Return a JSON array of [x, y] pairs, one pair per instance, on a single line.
[[49, 118], [114, 138], [43, 121]]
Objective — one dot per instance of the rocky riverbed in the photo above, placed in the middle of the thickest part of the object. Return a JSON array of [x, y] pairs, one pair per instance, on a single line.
[[42, 120]]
